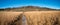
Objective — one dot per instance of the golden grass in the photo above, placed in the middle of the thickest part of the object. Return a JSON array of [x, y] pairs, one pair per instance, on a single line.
[[7, 17], [43, 17], [32, 17]]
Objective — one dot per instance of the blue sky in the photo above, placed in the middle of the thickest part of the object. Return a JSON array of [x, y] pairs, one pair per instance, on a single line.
[[42, 3]]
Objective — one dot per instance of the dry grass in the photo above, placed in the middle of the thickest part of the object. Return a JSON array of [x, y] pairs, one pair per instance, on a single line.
[[7, 18], [32, 17], [43, 17]]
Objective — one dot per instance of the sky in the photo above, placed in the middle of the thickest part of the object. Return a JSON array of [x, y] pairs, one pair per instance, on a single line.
[[55, 4]]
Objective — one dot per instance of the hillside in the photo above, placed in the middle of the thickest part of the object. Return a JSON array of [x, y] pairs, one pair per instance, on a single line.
[[29, 8]]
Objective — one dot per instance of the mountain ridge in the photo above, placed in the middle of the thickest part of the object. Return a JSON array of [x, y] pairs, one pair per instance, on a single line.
[[29, 8]]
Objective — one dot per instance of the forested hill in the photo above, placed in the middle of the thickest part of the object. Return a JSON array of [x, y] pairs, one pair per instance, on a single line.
[[29, 8]]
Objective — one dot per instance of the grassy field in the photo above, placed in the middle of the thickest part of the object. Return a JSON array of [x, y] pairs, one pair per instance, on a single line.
[[43, 17], [9, 17], [33, 16]]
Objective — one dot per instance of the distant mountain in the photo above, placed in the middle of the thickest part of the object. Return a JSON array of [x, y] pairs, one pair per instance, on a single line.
[[29, 8]]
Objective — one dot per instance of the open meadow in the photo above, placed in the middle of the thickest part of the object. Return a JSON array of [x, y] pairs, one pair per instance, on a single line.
[[31, 18]]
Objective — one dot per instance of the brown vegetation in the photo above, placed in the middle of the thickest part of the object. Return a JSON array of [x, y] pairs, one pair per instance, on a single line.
[[10, 18], [43, 17], [32, 17]]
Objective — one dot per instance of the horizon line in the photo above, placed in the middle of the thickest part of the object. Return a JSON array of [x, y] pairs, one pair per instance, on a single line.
[[28, 5]]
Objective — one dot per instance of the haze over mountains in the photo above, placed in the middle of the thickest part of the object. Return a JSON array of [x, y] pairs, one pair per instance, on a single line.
[[29, 8]]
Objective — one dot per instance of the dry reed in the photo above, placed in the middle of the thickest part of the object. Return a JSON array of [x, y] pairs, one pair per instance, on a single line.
[[33, 18], [43, 17], [10, 18]]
